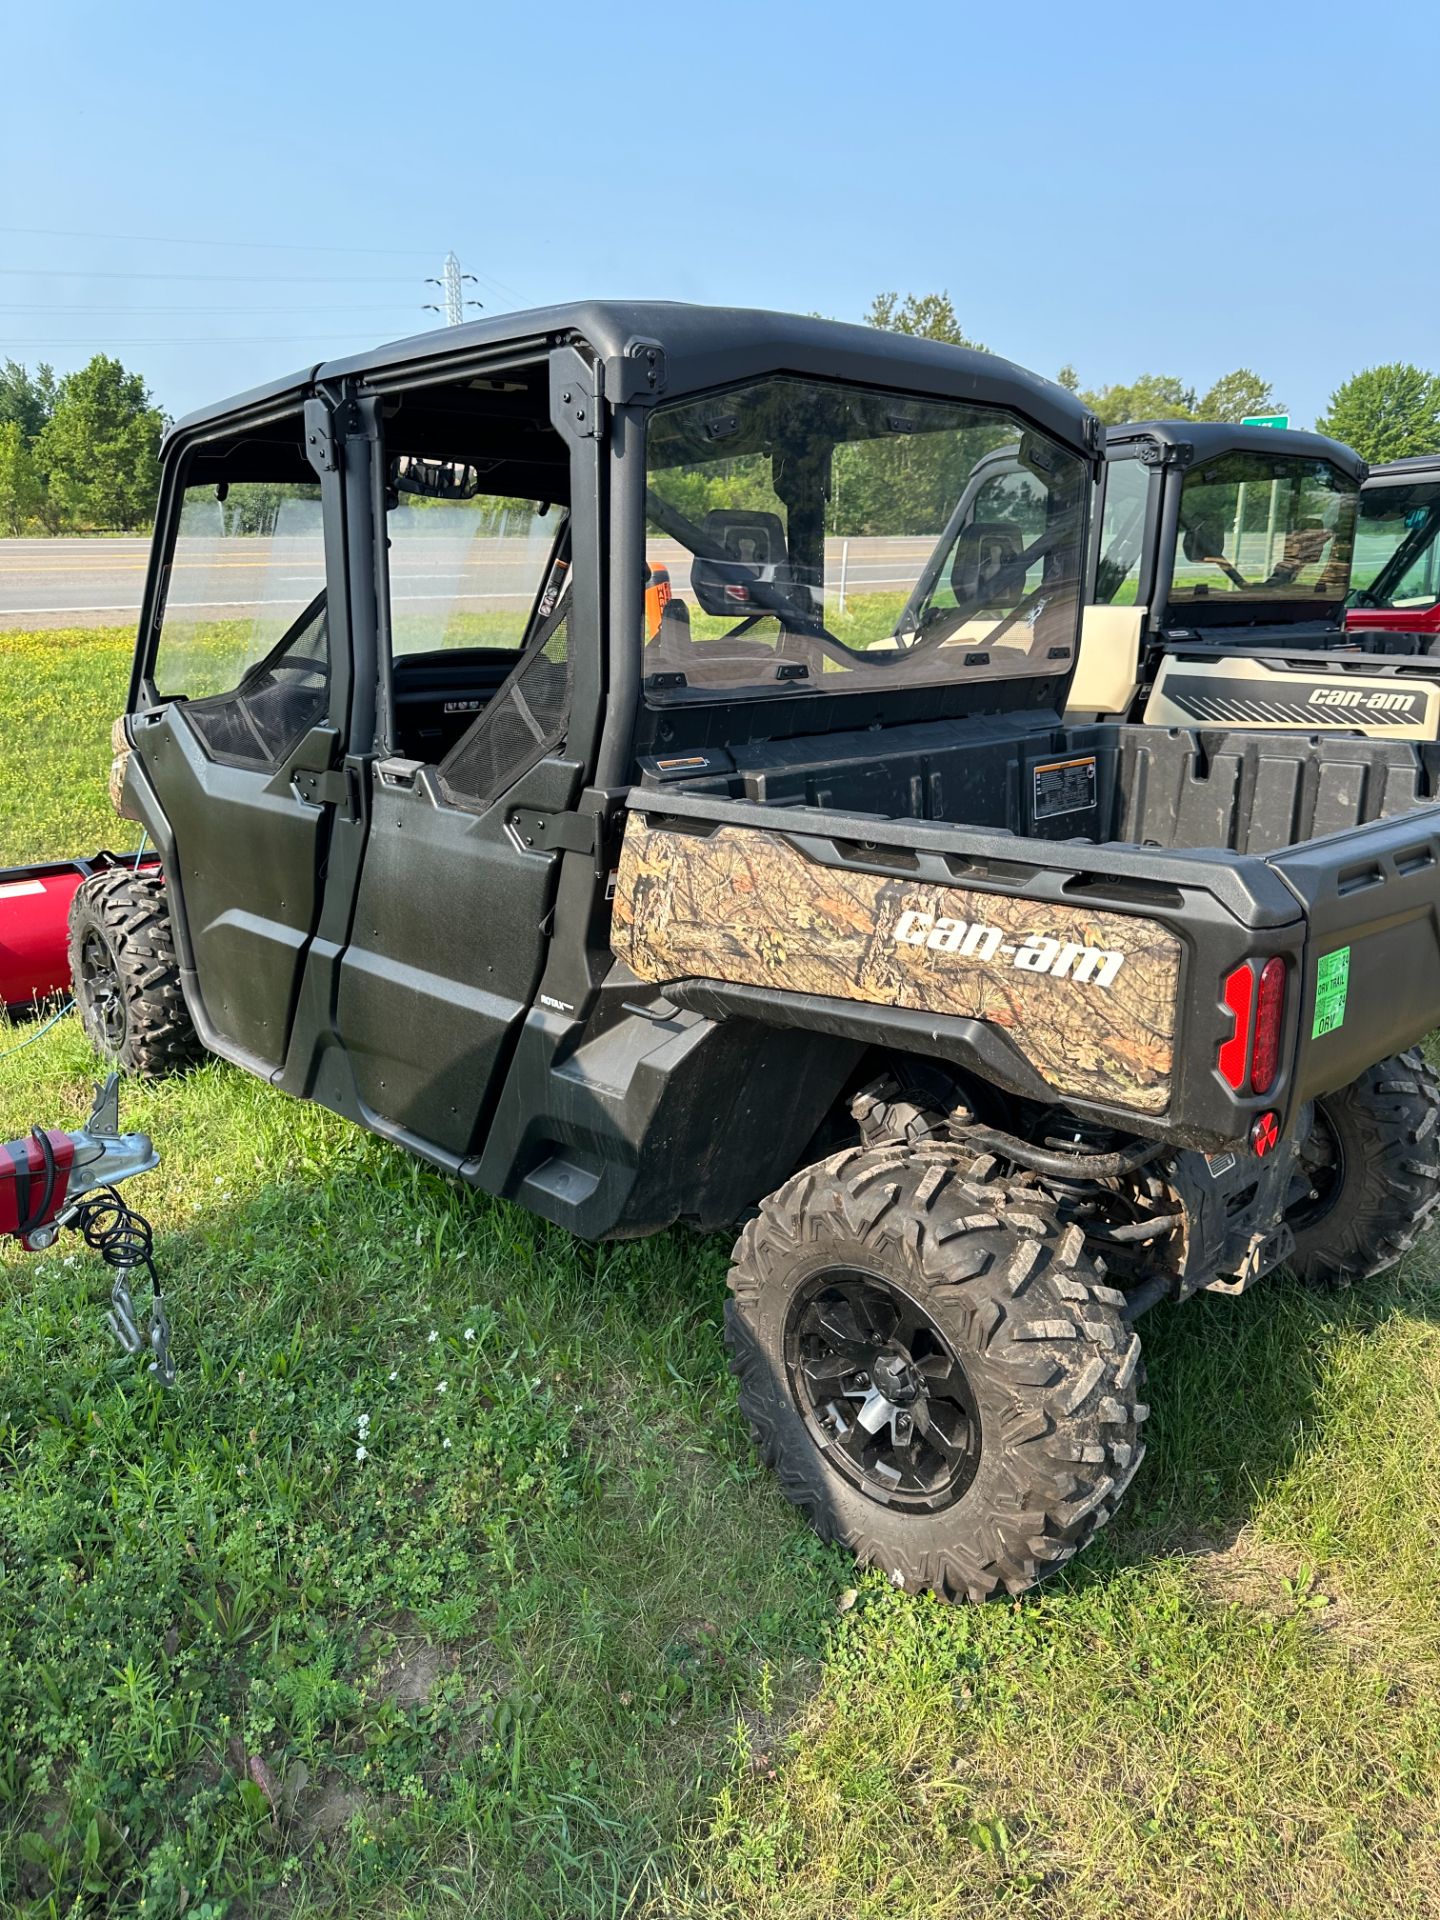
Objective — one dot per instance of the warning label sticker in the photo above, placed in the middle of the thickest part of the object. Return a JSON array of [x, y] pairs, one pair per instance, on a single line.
[[1332, 983], [1064, 786]]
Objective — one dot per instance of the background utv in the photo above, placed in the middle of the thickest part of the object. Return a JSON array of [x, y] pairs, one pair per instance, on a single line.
[[592, 797]]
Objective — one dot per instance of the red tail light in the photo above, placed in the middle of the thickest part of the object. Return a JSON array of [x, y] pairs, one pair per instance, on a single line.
[[1235, 1052], [1249, 1061], [1269, 1019]]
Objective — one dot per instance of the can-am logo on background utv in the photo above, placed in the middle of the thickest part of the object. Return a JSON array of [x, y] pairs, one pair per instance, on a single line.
[[1037, 953], [1357, 698]]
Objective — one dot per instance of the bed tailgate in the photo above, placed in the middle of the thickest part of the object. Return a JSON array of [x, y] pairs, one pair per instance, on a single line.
[[1088, 997], [1372, 966]]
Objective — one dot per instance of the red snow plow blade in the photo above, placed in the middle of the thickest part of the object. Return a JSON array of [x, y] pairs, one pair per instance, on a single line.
[[35, 925]]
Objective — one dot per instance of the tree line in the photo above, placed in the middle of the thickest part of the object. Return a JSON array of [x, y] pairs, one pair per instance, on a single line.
[[81, 454], [1384, 412]]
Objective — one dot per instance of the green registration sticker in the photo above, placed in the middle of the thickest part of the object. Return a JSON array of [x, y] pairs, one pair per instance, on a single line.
[[1332, 981]]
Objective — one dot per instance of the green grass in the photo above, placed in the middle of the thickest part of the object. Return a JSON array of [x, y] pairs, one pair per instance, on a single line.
[[60, 691], [583, 1660]]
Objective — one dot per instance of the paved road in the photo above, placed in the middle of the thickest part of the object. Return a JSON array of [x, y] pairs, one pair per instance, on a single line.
[[98, 583], [71, 583]]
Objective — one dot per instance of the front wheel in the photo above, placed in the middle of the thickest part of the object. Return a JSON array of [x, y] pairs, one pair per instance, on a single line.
[[938, 1378], [1373, 1161], [126, 974]]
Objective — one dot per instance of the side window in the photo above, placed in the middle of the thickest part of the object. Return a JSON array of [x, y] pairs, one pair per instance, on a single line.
[[1122, 533], [1419, 585], [244, 637], [479, 614]]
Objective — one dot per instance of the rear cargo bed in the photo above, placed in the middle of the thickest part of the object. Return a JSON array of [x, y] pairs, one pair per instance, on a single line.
[[1054, 908], [1152, 787]]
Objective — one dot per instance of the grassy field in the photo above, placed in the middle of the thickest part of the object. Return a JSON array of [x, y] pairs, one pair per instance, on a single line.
[[443, 1583]]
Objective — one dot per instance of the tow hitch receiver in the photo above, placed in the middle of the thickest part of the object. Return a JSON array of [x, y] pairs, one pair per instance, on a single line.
[[55, 1179]]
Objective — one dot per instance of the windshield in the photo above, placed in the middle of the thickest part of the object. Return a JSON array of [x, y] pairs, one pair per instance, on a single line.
[[801, 533], [1256, 528], [1397, 556]]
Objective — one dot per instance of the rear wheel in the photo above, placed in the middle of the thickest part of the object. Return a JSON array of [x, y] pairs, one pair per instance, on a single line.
[[939, 1379], [126, 975], [1373, 1160]]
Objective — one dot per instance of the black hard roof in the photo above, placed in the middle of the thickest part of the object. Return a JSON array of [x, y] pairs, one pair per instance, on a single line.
[[1415, 466], [703, 347], [1210, 438]]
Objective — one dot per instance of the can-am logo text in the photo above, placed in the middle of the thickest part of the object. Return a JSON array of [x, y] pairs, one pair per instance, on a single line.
[[1357, 698], [1037, 953]]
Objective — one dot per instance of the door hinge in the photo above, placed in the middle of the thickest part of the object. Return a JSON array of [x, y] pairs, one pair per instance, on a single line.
[[547, 832], [637, 374], [334, 787], [577, 395], [320, 436]]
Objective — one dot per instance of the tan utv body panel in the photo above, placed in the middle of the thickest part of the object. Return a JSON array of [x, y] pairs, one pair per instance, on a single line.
[[1314, 693], [120, 750], [1107, 674], [1092, 1006]]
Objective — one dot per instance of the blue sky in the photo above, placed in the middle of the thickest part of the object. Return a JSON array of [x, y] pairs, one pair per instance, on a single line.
[[1132, 188]]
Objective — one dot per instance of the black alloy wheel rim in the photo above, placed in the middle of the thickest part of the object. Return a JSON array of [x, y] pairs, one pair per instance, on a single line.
[[102, 989], [1322, 1163], [882, 1390]]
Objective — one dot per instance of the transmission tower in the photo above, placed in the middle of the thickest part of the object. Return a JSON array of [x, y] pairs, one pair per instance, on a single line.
[[452, 287]]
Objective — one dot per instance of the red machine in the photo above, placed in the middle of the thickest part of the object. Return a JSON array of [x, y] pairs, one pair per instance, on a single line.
[[35, 925], [1397, 554]]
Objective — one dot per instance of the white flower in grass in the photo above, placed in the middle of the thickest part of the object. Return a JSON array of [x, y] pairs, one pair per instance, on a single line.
[[395, 1373], [362, 1453], [469, 1333], [444, 1387], [445, 1446], [431, 1337]]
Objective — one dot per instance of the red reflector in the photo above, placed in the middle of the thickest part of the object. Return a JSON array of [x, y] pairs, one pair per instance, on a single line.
[[1265, 1133], [1269, 1018], [1234, 1052]]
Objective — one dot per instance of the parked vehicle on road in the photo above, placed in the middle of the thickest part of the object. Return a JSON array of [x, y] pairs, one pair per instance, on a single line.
[[992, 1028]]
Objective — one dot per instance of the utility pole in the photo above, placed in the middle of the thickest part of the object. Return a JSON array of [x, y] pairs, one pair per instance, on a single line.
[[452, 287]]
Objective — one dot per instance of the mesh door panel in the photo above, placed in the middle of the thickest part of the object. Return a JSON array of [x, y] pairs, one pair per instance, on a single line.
[[527, 717], [276, 704]]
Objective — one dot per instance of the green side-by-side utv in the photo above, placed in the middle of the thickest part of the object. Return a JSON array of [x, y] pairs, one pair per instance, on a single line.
[[785, 901]]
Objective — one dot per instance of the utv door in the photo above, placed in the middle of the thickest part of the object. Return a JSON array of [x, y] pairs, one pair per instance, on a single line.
[[477, 602], [241, 715]]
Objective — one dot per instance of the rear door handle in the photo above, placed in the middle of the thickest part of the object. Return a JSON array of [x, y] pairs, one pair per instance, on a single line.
[[398, 775]]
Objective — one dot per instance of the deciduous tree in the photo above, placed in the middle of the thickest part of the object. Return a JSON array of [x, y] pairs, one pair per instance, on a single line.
[[99, 451], [1386, 413], [1234, 395], [27, 398], [927, 316], [20, 490]]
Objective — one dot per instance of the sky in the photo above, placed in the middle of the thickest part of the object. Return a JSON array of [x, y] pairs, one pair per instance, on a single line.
[[220, 194]]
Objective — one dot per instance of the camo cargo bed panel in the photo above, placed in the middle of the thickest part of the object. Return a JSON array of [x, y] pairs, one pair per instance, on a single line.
[[1088, 996]]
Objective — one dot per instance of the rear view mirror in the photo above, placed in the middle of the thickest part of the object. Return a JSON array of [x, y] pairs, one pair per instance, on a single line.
[[434, 479]]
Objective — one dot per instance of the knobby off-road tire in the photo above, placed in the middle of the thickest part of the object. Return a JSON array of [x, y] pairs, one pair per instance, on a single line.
[[126, 975], [1375, 1160], [1053, 1373]]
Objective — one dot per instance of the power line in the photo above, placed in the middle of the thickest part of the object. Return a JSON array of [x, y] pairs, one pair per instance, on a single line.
[[172, 240], [251, 279], [172, 340], [337, 305]]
